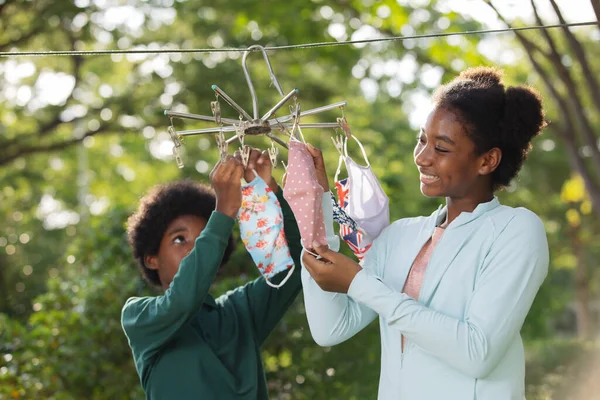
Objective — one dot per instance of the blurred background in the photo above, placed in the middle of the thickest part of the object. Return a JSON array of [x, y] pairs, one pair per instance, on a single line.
[[83, 137]]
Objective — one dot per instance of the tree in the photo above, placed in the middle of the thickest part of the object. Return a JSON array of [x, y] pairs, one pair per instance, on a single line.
[[64, 260], [571, 78]]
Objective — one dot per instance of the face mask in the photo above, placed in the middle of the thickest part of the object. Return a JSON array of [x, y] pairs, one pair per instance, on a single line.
[[350, 232], [339, 214], [261, 228], [305, 195], [367, 203]]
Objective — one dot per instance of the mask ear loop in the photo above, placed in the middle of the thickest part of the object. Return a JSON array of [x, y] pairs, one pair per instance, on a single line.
[[338, 142], [284, 279], [346, 128], [293, 265], [295, 110]]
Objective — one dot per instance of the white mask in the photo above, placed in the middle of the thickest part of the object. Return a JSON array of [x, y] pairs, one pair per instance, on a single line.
[[368, 205]]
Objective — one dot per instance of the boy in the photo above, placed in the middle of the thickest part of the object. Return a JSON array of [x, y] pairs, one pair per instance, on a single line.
[[185, 343]]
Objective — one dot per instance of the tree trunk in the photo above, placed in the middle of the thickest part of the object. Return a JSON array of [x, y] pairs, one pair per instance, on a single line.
[[582, 289]]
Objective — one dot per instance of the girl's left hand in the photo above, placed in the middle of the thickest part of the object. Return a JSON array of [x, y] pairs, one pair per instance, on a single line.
[[319, 162], [334, 272]]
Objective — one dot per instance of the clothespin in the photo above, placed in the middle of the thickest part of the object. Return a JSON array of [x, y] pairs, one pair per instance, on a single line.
[[239, 132], [253, 125], [244, 150], [296, 131], [343, 123], [273, 152], [215, 107], [176, 145], [246, 156], [338, 142], [222, 145]]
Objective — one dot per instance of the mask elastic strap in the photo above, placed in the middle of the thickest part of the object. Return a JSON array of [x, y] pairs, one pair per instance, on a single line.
[[284, 279], [362, 149], [318, 257], [255, 176], [311, 253], [296, 125], [300, 137], [339, 146]]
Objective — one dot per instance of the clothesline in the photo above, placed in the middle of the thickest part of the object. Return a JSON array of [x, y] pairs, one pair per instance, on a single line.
[[43, 53]]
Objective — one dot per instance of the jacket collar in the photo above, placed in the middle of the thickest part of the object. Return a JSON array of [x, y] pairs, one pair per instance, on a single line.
[[439, 215], [452, 244]]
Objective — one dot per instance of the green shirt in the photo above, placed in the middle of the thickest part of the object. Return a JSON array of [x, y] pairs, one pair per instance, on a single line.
[[187, 345]]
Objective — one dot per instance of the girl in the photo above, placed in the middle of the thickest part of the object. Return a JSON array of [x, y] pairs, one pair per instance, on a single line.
[[451, 289]]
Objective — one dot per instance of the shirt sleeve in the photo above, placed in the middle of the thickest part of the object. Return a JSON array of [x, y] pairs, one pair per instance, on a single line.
[[150, 322], [268, 304], [332, 317], [507, 282]]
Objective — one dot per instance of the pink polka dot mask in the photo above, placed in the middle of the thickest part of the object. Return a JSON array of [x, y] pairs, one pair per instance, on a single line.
[[304, 195]]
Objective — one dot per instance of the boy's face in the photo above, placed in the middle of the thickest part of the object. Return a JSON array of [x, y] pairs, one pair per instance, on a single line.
[[177, 242]]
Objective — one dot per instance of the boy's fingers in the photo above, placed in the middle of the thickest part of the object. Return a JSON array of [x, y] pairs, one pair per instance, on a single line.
[[252, 159], [264, 158], [230, 165]]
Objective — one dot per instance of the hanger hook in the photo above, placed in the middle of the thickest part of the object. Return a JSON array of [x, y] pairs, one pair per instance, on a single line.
[[249, 80]]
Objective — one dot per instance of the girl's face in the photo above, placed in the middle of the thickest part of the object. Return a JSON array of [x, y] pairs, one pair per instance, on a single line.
[[447, 160]]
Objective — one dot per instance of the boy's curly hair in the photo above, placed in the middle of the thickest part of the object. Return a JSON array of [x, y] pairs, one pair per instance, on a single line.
[[163, 204]]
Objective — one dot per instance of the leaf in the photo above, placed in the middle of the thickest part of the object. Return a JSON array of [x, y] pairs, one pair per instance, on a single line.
[[573, 190]]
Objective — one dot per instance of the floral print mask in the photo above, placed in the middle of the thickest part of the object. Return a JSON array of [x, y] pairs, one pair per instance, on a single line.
[[261, 226]]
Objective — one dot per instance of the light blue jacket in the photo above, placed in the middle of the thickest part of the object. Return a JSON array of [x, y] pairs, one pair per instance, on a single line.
[[462, 334]]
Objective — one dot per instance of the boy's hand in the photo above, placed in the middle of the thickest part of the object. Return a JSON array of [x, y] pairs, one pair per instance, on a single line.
[[226, 180], [261, 163]]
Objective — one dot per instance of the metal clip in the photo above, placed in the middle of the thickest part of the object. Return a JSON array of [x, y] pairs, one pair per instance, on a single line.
[[338, 142], [245, 155], [295, 110], [174, 136], [273, 153], [239, 132], [176, 145], [215, 106], [222, 145], [343, 123], [177, 156]]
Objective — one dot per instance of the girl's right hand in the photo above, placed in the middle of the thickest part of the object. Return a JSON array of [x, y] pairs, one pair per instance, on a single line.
[[226, 178]]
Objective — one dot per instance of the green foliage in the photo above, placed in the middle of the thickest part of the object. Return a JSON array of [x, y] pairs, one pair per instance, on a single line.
[[65, 267], [73, 346]]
